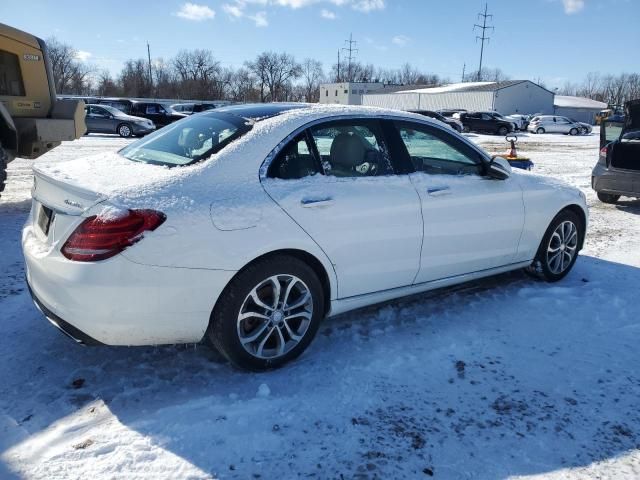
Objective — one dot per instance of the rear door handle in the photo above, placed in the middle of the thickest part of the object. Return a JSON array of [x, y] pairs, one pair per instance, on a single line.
[[439, 191], [316, 202]]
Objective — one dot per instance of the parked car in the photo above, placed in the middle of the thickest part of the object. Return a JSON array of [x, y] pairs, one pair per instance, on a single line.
[[158, 113], [451, 112], [617, 172], [485, 122], [501, 117], [277, 216], [553, 124], [452, 122], [521, 121], [106, 119], [585, 128], [191, 108]]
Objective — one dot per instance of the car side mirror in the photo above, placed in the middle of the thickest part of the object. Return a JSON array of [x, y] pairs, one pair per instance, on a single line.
[[499, 168]]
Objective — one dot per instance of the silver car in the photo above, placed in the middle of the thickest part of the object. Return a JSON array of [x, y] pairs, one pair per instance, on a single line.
[[617, 172], [554, 124], [106, 119]]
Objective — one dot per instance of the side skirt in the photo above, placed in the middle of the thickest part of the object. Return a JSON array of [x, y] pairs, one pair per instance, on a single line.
[[351, 303]]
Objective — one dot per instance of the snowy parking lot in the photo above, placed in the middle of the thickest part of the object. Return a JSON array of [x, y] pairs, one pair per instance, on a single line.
[[503, 378]]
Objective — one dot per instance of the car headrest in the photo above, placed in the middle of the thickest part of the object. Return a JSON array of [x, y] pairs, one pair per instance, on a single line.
[[347, 151]]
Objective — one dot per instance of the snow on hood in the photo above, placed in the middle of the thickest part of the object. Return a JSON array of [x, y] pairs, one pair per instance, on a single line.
[[223, 175]]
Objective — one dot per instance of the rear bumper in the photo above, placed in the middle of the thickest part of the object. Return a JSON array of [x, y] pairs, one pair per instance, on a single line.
[[118, 301], [69, 330], [604, 180]]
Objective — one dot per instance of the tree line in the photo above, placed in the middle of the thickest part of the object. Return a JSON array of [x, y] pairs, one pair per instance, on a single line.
[[274, 76], [197, 74], [613, 90]]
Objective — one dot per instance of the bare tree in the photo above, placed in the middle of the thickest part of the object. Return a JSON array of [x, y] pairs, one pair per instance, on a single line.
[[274, 71], [489, 75], [312, 76], [70, 75]]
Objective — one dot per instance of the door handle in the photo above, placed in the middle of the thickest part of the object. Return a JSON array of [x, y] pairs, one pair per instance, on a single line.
[[316, 202], [439, 191]]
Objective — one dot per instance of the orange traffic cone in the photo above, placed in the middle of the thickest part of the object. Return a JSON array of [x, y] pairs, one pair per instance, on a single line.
[[513, 153]]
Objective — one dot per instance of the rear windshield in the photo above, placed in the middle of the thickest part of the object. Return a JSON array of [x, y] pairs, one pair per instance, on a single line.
[[189, 140]]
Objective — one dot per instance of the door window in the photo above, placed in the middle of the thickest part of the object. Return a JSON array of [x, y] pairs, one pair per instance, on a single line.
[[153, 109], [437, 153], [10, 75], [295, 161], [352, 148]]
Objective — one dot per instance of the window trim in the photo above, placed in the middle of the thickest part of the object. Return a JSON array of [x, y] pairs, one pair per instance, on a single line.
[[311, 146], [483, 157], [474, 154]]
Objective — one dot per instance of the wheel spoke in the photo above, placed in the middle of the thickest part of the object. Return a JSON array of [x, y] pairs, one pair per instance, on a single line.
[[260, 350], [281, 342], [296, 338], [287, 292], [277, 291], [302, 301], [254, 336], [303, 314], [259, 302], [244, 316]]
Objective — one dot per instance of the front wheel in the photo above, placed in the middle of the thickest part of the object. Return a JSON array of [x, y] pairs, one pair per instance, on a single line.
[[466, 129], [503, 131], [124, 130], [608, 198], [268, 314], [558, 250], [573, 132]]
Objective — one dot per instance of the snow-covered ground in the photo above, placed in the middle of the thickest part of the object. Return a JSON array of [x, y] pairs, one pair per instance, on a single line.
[[503, 378]]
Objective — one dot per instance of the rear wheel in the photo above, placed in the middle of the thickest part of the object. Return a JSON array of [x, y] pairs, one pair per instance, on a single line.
[[608, 198], [573, 132], [268, 314], [466, 129], [124, 130], [540, 130], [558, 250]]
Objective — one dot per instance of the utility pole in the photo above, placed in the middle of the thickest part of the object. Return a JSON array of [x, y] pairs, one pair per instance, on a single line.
[[149, 57], [483, 38], [351, 55], [338, 79], [464, 68]]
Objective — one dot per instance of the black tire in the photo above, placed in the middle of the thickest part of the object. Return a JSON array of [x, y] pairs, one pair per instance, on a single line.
[[4, 160], [608, 198], [503, 130], [223, 324], [540, 130], [573, 132], [541, 267], [125, 130], [466, 129]]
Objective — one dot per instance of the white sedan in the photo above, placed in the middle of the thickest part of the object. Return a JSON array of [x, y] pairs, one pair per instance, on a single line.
[[247, 225]]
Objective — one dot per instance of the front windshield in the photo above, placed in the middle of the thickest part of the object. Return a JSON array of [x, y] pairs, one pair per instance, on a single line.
[[188, 141]]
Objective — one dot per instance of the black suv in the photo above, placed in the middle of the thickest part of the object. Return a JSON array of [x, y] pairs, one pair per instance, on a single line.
[[485, 122], [159, 114], [452, 122]]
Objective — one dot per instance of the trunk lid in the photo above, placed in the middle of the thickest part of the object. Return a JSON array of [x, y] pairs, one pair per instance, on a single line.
[[632, 115], [63, 197]]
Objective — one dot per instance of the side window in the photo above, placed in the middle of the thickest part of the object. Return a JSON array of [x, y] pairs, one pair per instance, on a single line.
[[152, 109], [352, 148], [437, 153], [294, 161], [486, 116], [10, 75]]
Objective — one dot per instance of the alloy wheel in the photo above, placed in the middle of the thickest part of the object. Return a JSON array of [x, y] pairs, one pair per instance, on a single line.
[[562, 247], [124, 131], [275, 316]]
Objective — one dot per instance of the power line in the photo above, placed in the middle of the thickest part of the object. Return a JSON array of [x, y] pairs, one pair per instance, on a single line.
[[351, 55], [483, 38]]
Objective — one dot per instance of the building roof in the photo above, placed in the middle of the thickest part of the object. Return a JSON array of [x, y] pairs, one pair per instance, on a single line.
[[577, 102], [468, 87]]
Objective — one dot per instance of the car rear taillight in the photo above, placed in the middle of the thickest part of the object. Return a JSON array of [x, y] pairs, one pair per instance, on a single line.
[[99, 238], [603, 155]]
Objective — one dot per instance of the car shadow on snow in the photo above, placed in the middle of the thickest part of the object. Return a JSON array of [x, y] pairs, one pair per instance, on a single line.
[[506, 376], [630, 206]]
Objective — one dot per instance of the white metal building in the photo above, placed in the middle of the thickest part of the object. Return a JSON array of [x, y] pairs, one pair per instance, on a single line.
[[513, 96], [578, 108], [347, 93]]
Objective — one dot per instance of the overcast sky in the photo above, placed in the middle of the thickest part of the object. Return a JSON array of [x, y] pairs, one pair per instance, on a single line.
[[556, 40]]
